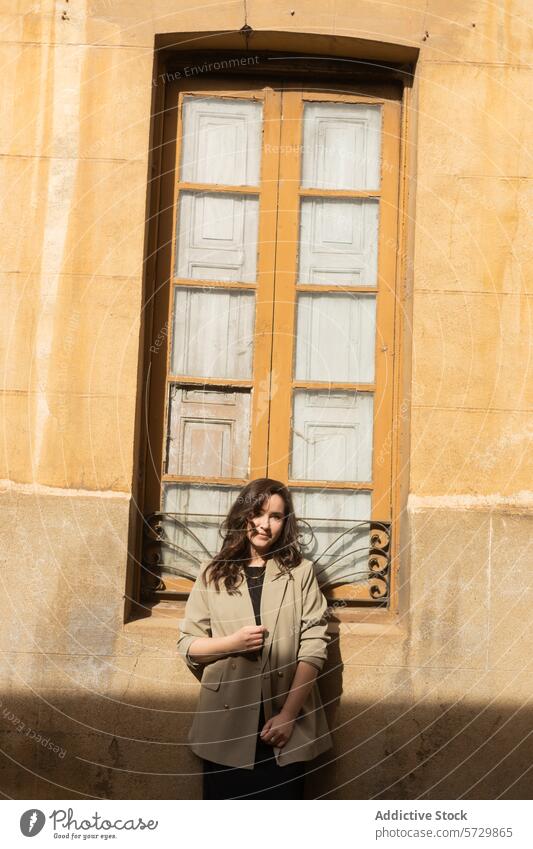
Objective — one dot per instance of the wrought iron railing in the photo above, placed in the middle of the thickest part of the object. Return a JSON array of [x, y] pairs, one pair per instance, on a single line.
[[355, 555]]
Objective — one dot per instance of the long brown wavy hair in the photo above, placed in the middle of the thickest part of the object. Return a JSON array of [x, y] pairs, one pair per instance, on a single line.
[[228, 564]]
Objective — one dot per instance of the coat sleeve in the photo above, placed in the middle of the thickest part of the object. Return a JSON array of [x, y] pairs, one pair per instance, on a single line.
[[314, 638], [197, 623]]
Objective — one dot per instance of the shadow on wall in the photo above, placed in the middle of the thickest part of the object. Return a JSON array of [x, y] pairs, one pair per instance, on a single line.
[[65, 745], [400, 747]]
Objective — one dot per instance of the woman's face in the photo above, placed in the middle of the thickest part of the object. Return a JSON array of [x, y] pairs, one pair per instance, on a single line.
[[265, 528]]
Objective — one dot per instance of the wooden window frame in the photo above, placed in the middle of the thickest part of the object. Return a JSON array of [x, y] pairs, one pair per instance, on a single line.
[[373, 88]]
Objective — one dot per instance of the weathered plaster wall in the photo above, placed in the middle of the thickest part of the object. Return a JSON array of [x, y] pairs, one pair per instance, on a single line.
[[438, 705]]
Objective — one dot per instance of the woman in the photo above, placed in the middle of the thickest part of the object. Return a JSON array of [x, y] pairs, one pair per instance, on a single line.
[[255, 634]]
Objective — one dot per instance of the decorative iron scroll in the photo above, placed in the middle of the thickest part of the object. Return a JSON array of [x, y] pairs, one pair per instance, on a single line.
[[354, 555]]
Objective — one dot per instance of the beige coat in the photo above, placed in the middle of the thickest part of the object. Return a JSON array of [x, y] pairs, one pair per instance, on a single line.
[[224, 729]]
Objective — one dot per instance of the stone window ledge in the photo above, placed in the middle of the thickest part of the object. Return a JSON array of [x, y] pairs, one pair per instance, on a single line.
[[161, 617]]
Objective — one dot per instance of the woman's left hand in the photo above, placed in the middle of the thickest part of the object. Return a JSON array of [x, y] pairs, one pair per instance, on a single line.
[[277, 730]]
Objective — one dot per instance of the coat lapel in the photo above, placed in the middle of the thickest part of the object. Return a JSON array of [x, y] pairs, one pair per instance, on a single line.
[[274, 589], [237, 610]]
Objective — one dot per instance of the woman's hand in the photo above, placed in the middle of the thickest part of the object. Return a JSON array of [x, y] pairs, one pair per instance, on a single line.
[[248, 638], [277, 730]]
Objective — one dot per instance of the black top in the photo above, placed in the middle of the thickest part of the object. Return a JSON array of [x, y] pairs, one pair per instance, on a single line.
[[254, 578]]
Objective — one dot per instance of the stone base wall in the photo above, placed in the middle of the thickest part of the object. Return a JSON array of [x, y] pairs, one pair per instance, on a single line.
[[91, 707]]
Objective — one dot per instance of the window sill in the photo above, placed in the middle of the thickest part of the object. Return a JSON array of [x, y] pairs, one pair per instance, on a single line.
[[163, 616], [358, 622]]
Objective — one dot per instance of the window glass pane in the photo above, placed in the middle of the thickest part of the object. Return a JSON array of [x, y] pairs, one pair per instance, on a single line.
[[221, 141], [335, 337], [213, 333], [330, 535], [341, 146], [332, 436], [339, 242], [217, 237], [193, 534], [208, 432]]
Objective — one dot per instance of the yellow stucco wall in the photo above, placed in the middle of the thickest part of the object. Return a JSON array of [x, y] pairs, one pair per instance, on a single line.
[[428, 706]]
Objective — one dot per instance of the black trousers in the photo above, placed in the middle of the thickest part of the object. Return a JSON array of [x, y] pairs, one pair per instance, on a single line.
[[266, 780]]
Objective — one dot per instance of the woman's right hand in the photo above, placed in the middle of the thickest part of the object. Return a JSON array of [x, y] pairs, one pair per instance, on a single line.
[[248, 638]]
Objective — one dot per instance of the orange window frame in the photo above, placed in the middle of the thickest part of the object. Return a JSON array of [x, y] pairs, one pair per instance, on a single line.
[[276, 291]]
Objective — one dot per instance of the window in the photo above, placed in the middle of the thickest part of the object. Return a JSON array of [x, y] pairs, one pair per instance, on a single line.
[[273, 339]]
